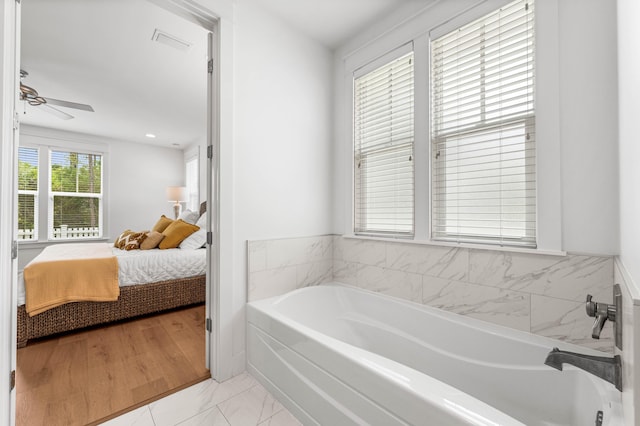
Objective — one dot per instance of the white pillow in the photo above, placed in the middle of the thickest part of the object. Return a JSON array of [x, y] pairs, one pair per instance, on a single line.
[[195, 240], [189, 216], [202, 221]]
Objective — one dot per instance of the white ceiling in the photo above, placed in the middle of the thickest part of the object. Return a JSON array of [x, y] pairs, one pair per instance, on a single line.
[[332, 22], [100, 53]]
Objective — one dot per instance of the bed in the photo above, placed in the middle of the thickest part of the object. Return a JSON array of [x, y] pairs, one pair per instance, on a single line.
[[150, 281]]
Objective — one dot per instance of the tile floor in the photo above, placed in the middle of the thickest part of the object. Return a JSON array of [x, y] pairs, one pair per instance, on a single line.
[[240, 401]]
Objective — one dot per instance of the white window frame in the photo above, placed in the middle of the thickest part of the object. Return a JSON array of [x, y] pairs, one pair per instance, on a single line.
[[500, 234], [51, 194], [193, 196], [439, 20], [363, 71], [36, 199], [47, 140]]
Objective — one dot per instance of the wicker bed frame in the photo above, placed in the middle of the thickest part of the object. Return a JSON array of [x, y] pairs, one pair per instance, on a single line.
[[134, 300]]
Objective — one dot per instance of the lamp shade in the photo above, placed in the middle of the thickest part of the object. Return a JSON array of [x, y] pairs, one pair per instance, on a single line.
[[176, 193]]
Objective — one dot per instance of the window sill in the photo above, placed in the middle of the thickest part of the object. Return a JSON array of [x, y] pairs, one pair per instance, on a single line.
[[461, 245], [27, 244]]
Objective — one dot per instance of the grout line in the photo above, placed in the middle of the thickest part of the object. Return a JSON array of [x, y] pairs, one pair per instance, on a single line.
[[222, 414], [241, 392], [148, 407]]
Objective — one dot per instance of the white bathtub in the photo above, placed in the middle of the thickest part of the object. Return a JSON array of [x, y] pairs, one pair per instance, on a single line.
[[337, 355]]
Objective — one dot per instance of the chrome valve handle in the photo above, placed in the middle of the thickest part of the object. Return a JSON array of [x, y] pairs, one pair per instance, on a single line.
[[591, 306], [602, 312]]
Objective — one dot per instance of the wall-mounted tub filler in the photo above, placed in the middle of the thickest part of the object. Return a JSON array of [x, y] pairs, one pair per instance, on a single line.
[[607, 368], [603, 312]]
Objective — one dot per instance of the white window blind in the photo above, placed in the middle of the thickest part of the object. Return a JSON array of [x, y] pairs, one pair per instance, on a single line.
[[76, 195], [27, 193], [383, 149], [483, 130]]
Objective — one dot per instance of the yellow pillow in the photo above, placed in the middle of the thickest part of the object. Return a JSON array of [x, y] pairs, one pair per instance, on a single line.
[[162, 224], [175, 233], [152, 240]]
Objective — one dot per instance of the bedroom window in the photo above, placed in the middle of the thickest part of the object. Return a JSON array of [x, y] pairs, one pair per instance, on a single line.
[[383, 148], [192, 182], [75, 198], [483, 130], [28, 193]]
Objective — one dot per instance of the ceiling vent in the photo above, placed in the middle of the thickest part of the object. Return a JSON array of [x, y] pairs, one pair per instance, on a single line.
[[170, 40]]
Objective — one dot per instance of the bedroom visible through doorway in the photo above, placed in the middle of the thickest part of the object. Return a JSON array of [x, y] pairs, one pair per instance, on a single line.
[[135, 171]]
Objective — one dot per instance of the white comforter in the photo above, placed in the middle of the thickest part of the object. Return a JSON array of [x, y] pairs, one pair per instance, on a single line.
[[150, 266]]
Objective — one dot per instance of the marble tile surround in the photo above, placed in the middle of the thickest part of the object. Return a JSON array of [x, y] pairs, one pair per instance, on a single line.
[[541, 294], [630, 352], [278, 266]]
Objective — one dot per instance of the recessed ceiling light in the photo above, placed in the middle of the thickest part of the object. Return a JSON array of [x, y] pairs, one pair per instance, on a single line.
[[175, 144], [150, 135]]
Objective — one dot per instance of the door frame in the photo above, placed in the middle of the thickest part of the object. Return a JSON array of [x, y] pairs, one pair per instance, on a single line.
[[219, 194], [9, 39], [217, 16]]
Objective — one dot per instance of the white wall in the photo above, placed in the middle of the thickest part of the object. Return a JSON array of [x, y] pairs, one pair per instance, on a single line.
[[629, 142], [589, 125], [136, 177], [282, 139], [577, 117]]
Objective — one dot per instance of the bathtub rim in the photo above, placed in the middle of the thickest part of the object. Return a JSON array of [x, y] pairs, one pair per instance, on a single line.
[[463, 320]]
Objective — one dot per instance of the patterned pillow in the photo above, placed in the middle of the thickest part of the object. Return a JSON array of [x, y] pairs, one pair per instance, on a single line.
[[121, 240], [134, 240], [130, 240]]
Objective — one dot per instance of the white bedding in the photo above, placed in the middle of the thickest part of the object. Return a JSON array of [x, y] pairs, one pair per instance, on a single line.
[[149, 266]]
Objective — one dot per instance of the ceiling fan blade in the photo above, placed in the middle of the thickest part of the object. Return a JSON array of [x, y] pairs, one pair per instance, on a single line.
[[68, 104], [56, 112]]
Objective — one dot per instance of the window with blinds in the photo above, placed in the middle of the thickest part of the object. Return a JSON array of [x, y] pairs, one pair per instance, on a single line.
[[483, 130], [28, 193], [383, 150], [192, 183], [76, 194]]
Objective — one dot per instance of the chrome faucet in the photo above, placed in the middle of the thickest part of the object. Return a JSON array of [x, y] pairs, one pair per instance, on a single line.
[[602, 312], [607, 368]]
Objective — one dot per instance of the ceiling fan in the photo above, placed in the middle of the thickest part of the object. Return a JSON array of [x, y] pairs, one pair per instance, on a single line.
[[31, 96]]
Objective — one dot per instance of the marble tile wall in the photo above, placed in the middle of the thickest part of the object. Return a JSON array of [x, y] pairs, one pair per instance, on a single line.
[[630, 352], [542, 294], [278, 266]]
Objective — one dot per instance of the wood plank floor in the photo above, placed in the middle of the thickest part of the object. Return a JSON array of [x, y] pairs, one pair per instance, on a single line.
[[88, 376]]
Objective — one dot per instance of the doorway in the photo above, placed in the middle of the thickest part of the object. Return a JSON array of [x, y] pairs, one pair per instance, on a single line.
[[210, 25]]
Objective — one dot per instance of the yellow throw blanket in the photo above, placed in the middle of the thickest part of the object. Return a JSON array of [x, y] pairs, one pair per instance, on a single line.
[[71, 273]]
